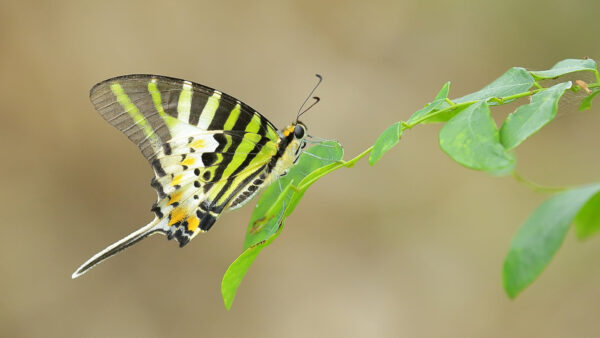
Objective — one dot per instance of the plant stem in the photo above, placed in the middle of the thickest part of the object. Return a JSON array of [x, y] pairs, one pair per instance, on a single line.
[[536, 187], [336, 166], [499, 100]]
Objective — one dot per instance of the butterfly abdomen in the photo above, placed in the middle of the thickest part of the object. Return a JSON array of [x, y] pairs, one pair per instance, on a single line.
[[248, 192]]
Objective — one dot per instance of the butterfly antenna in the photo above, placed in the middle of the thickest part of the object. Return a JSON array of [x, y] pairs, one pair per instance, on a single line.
[[300, 111]]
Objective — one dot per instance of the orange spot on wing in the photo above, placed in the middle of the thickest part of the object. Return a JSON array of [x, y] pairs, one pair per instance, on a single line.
[[175, 197], [177, 215], [197, 144], [193, 223], [188, 161], [177, 180]]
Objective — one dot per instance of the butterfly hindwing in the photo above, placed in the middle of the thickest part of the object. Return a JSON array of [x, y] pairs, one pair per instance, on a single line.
[[208, 150]]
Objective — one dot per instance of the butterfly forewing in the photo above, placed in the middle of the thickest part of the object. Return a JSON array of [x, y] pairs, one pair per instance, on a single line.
[[152, 110], [206, 147]]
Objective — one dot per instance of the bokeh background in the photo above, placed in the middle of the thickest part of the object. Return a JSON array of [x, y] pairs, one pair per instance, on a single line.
[[412, 247]]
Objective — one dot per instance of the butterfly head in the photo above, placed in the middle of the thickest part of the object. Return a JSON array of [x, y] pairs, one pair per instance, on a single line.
[[294, 140], [295, 131]]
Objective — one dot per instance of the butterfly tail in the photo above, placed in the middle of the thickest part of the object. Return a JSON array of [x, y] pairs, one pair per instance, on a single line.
[[153, 227]]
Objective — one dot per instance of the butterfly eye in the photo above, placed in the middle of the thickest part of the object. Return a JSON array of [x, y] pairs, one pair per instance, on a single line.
[[298, 131]]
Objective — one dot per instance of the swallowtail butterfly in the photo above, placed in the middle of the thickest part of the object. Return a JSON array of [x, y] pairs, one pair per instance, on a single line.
[[210, 152]]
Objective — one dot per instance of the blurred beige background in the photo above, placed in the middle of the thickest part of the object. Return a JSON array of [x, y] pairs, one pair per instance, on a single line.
[[412, 247]]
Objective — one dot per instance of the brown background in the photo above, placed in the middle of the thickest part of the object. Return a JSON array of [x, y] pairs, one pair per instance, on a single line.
[[412, 247]]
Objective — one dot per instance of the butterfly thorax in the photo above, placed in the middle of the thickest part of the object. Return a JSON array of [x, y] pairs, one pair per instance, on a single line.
[[288, 152], [290, 149]]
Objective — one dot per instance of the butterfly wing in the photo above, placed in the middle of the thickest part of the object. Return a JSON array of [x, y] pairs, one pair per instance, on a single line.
[[152, 109], [207, 148]]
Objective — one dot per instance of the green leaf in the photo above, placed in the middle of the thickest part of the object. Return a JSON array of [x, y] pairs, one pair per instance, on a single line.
[[516, 80], [386, 141], [530, 118], [587, 221], [237, 270], [540, 237], [275, 204], [440, 98], [565, 67], [586, 103], [322, 155], [471, 139], [306, 183]]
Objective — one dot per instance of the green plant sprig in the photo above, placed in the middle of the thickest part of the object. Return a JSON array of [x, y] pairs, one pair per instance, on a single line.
[[470, 137]]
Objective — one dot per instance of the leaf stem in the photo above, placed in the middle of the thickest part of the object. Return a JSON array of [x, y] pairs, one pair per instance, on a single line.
[[594, 85], [499, 100], [537, 187], [335, 166]]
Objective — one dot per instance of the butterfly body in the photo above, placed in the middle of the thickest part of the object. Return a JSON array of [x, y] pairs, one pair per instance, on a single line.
[[209, 151]]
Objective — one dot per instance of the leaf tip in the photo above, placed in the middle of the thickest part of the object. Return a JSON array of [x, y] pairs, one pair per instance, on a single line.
[[512, 294], [226, 291], [508, 281], [373, 159]]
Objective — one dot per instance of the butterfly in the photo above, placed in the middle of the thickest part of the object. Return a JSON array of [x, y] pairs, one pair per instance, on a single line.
[[210, 152]]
